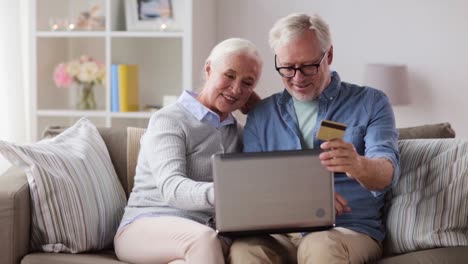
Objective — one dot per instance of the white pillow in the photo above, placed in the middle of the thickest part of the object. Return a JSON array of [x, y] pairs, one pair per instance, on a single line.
[[77, 199]]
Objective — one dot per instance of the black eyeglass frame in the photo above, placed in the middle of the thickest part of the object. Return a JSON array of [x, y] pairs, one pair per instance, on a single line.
[[315, 65]]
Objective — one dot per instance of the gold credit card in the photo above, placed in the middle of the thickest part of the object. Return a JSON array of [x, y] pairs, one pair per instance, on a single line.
[[330, 130]]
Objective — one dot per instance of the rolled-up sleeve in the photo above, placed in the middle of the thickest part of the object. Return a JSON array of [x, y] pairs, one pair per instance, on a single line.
[[381, 140]]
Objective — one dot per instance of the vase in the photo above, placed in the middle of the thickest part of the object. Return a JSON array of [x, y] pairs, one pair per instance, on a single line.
[[86, 97]]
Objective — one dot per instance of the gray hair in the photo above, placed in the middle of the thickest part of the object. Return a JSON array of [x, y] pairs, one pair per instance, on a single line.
[[232, 46], [294, 25]]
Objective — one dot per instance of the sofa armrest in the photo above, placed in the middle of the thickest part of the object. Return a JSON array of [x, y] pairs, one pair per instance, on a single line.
[[14, 216]]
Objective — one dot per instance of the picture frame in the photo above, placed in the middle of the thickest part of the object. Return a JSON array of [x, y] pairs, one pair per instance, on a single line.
[[150, 15]]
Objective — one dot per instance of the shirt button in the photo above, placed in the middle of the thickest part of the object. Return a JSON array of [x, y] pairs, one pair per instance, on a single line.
[[331, 98]]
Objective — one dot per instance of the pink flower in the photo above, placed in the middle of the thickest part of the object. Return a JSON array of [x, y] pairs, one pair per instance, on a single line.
[[85, 58], [81, 70], [61, 76]]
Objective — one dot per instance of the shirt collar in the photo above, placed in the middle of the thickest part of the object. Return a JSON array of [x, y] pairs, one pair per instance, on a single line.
[[332, 90], [329, 93], [202, 113]]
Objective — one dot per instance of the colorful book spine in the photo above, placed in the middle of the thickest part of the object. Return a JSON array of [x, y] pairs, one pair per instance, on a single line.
[[128, 88], [115, 88]]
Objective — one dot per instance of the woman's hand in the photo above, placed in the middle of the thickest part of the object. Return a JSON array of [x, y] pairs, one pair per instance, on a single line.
[[250, 104]]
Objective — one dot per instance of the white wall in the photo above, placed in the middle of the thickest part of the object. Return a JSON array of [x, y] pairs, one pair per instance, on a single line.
[[13, 95], [430, 37]]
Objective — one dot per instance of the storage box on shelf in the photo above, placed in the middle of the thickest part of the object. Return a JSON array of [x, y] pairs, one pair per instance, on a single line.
[[168, 61]]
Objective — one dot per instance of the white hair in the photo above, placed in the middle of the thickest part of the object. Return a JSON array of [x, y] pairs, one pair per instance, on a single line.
[[234, 46], [294, 25]]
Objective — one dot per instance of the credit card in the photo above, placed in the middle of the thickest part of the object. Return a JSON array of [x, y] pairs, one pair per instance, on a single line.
[[330, 130]]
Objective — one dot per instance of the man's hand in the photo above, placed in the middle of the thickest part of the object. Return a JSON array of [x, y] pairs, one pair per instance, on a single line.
[[251, 102], [341, 157], [341, 205], [372, 173]]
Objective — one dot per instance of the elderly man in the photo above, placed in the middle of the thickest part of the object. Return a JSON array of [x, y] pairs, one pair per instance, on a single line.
[[365, 162]]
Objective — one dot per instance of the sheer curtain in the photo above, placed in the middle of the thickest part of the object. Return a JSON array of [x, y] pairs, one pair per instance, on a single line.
[[14, 76]]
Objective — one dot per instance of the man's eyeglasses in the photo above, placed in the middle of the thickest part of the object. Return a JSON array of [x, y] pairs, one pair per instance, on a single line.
[[306, 70]]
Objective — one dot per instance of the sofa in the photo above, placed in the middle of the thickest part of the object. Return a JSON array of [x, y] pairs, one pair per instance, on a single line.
[[15, 203]]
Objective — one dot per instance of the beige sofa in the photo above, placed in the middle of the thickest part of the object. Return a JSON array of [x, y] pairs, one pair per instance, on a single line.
[[15, 210]]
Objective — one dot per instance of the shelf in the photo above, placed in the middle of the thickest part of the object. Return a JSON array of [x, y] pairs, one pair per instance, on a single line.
[[146, 34], [70, 34], [132, 114], [168, 61], [76, 113], [123, 34], [71, 113]]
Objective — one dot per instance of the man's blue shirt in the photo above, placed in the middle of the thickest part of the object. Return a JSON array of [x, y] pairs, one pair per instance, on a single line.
[[272, 125]]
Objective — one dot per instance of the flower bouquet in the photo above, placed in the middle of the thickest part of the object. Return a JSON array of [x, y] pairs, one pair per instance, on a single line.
[[85, 73]]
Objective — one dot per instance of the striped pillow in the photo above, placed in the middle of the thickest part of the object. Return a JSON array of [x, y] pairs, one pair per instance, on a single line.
[[429, 205], [77, 200]]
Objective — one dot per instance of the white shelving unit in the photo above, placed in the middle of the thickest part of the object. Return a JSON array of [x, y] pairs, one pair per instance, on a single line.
[[169, 62]]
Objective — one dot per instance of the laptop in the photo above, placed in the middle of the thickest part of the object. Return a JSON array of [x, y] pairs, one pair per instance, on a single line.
[[272, 192]]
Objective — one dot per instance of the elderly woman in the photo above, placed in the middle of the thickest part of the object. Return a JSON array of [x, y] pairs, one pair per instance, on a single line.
[[171, 207]]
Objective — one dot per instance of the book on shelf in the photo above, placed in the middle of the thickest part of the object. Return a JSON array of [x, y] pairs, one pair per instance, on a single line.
[[124, 88], [115, 88]]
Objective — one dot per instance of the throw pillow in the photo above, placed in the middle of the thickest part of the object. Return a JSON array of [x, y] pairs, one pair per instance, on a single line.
[[429, 204], [77, 200], [442, 130]]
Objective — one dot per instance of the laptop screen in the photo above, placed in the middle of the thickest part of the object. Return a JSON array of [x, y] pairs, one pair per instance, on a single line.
[[272, 192]]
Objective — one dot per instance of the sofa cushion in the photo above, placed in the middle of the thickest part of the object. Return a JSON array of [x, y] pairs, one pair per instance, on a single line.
[[134, 135], [429, 204], [442, 130], [449, 255], [115, 138], [77, 200], [101, 257]]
